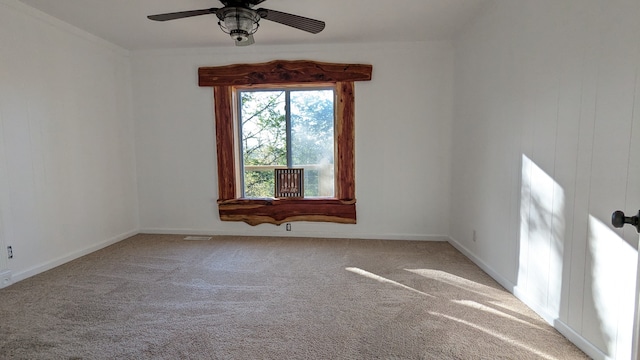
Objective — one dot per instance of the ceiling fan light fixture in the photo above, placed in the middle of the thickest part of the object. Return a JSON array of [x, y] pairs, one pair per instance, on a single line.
[[240, 23], [238, 19]]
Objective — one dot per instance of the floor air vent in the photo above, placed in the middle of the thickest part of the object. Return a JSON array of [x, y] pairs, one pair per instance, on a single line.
[[200, 238]]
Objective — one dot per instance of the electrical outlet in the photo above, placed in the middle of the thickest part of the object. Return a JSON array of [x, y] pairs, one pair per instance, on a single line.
[[10, 252], [288, 227], [474, 236]]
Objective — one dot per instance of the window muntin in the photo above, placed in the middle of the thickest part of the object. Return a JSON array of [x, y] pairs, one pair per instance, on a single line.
[[286, 127]]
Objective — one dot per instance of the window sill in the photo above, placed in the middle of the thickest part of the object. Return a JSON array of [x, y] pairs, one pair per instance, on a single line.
[[278, 210]]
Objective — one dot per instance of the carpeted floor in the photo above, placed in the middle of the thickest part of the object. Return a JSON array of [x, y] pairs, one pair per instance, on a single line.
[[162, 297]]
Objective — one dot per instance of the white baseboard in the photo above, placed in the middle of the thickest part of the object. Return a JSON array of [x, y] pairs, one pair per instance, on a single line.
[[582, 343], [296, 233], [486, 268], [72, 256]]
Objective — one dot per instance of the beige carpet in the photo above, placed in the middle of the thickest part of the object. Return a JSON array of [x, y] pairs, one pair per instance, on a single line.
[[161, 297]]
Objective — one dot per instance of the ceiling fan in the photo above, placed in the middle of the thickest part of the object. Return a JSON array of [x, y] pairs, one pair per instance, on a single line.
[[238, 19]]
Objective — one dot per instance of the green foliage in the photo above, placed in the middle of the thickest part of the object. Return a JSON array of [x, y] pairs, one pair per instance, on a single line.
[[264, 128], [259, 183]]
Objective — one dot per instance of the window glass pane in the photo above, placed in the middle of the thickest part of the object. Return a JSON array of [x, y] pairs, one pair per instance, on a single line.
[[264, 143], [312, 143]]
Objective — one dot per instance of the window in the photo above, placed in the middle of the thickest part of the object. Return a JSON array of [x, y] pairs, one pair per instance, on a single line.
[[226, 81], [286, 128]]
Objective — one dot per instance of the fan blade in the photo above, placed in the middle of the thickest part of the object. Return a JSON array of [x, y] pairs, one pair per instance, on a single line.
[[241, 3], [299, 22], [249, 41], [181, 14]]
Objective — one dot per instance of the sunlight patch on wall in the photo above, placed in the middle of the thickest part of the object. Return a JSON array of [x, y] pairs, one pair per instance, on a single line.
[[542, 231], [613, 265]]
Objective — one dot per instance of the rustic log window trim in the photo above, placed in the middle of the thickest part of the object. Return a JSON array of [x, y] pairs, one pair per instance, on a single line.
[[224, 79]]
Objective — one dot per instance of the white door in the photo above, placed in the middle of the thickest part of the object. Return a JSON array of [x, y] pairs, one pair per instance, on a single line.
[[618, 220], [4, 265], [3, 248], [636, 326]]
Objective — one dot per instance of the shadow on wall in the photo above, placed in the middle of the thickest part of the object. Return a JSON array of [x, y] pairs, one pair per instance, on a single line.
[[609, 264]]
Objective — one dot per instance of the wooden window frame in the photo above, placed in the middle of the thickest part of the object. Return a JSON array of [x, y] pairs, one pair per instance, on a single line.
[[224, 79]]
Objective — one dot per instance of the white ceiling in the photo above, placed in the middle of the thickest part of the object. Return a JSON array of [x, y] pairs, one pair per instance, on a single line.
[[124, 22]]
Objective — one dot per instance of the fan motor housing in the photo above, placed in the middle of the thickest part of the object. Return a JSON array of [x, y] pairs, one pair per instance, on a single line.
[[238, 22]]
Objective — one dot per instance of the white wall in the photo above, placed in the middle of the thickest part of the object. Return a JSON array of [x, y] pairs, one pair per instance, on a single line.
[[403, 119], [67, 183], [546, 135]]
